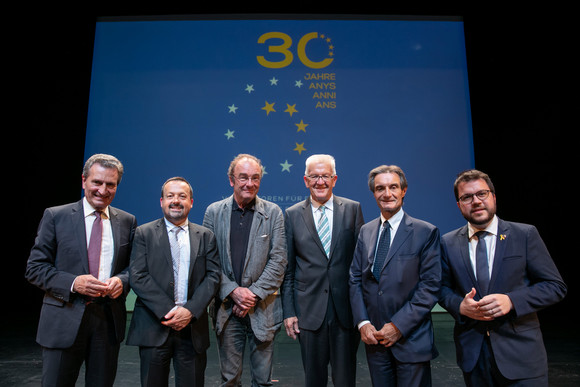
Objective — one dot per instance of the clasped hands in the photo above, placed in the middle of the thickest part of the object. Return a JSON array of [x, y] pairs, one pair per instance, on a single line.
[[488, 308], [244, 300], [90, 286], [387, 336]]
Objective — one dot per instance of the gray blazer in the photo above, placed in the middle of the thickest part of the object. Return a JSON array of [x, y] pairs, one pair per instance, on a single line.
[[263, 268]]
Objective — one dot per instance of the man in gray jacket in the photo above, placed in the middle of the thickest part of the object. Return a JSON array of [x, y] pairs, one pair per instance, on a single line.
[[252, 247]]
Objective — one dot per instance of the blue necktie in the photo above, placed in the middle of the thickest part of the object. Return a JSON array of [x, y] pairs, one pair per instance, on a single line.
[[382, 250], [481, 264]]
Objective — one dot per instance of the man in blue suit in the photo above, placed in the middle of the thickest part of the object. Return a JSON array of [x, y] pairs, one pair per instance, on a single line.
[[494, 291], [394, 283]]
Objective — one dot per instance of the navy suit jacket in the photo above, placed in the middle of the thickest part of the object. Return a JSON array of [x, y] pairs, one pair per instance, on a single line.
[[312, 278], [151, 275], [522, 269], [59, 255], [408, 287]]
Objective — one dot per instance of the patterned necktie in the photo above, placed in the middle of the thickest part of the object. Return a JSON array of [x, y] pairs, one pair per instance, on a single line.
[[94, 251], [323, 229], [382, 250], [481, 264], [175, 256]]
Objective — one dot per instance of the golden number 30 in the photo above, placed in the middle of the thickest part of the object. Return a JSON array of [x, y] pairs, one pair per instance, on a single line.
[[284, 49]]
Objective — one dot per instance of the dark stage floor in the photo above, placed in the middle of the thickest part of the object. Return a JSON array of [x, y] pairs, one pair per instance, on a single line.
[[20, 358]]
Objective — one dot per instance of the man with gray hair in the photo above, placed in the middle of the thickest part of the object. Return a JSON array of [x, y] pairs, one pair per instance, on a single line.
[[321, 234], [252, 247], [80, 260]]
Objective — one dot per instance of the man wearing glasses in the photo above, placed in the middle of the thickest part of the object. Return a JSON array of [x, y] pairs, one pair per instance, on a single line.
[[496, 276], [321, 232], [252, 247]]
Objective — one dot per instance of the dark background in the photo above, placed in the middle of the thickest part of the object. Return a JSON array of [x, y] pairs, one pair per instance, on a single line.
[[520, 79]]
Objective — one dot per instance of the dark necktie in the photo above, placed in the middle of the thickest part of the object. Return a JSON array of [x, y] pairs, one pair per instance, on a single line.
[[95, 242], [481, 263], [382, 250]]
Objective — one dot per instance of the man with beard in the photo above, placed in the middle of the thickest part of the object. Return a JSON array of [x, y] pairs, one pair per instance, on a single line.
[[496, 276], [394, 283], [174, 272]]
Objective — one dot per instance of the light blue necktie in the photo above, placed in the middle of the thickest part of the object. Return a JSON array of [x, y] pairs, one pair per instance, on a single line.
[[176, 257], [323, 229]]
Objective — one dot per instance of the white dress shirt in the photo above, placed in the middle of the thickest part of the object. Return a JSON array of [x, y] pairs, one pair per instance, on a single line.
[[490, 241], [107, 246], [181, 282]]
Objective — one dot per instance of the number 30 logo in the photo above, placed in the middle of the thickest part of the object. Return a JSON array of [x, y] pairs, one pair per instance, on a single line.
[[287, 55]]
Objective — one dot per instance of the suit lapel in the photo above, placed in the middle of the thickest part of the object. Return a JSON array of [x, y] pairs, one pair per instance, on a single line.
[[500, 246], [337, 219], [463, 246], [403, 232], [194, 241], [78, 220], [116, 230], [372, 240], [259, 217], [310, 225]]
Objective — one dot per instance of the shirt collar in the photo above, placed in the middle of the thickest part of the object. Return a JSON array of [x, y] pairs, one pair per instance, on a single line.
[[90, 210], [394, 220], [170, 225], [491, 228], [329, 205]]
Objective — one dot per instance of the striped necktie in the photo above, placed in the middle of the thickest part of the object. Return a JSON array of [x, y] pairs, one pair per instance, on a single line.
[[323, 229], [176, 257], [94, 250]]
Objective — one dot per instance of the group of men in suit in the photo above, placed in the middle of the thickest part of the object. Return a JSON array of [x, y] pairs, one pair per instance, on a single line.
[[341, 281]]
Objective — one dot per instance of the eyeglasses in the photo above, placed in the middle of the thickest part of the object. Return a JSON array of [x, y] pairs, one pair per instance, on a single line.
[[245, 179], [314, 178], [468, 198]]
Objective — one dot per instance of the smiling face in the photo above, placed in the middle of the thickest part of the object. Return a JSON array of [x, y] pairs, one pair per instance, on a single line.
[[176, 201], [388, 193], [320, 181], [100, 186], [479, 212], [246, 181]]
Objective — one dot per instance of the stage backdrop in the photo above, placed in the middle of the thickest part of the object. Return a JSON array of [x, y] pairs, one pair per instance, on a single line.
[[183, 96]]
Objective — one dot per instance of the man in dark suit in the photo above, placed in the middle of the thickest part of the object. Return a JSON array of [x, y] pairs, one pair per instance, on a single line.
[[175, 274], [321, 234], [394, 283], [496, 276], [79, 259]]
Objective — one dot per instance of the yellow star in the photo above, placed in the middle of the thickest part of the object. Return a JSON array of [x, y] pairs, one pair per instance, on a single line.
[[301, 126], [291, 109], [299, 148], [269, 107]]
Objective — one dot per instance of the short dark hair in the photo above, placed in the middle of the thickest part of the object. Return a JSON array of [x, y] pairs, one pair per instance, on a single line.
[[386, 169], [470, 175], [177, 178], [106, 161]]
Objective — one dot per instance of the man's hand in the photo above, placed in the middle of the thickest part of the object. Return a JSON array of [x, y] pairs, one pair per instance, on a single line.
[[470, 308], [89, 286], [388, 335], [244, 299], [291, 325], [177, 318], [114, 287], [495, 305], [367, 334]]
